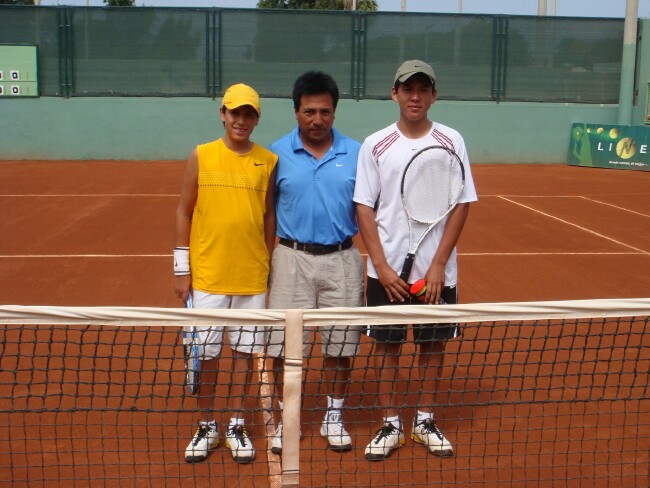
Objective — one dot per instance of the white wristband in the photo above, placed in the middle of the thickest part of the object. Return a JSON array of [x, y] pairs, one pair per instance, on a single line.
[[181, 261]]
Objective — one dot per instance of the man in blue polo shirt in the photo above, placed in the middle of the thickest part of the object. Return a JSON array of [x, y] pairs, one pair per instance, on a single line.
[[315, 264]]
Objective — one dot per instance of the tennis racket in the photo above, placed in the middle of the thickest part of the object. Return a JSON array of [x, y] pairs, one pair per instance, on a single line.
[[432, 183], [192, 354]]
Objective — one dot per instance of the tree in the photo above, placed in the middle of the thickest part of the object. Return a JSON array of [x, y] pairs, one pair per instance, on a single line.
[[16, 2], [364, 5], [119, 3]]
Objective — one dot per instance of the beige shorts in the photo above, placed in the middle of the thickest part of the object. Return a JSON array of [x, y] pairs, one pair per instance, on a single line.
[[306, 281], [245, 339]]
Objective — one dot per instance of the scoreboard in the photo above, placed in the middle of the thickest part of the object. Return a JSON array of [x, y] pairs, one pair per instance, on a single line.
[[18, 71]]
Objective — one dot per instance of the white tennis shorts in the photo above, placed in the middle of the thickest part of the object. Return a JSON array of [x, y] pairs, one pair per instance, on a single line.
[[246, 339]]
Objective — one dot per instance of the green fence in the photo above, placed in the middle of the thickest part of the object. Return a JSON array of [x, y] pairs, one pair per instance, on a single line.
[[145, 51]]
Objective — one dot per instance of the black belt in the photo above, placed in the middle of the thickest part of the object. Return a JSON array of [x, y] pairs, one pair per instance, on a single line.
[[316, 248]]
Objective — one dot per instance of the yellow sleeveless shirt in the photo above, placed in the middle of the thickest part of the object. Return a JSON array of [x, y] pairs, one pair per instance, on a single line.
[[228, 254]]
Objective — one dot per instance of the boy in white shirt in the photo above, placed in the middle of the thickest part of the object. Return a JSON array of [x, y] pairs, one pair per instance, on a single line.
[[384, 227]]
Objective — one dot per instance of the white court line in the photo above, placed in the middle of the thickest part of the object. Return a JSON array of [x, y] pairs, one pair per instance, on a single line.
[[552, 196], [118, 256], [629, 253], [104, 195], [86, 256], [584, 229], [525, 196], [615, 206], [273, 460], [101, 195]]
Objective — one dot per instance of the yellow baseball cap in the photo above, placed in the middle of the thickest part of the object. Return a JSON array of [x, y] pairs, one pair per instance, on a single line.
[[239, 95]]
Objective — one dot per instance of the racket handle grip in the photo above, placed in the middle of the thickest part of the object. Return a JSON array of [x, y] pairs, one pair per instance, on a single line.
[[406, 268]]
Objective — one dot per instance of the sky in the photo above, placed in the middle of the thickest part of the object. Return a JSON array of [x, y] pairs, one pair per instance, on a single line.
[[567, 8]]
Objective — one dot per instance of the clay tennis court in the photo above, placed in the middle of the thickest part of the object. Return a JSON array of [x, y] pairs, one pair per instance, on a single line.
[[100, 233]]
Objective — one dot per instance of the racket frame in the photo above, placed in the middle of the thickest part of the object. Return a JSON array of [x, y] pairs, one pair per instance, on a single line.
[[192, 354], [412, 249]]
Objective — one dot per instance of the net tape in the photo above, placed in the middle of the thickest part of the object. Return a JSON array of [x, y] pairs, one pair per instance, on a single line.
[[407, 314]]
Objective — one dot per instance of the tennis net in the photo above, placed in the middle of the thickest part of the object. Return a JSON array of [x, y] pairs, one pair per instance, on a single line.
[[536, 393]]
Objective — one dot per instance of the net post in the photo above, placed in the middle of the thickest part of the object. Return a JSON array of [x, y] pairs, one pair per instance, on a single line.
[[292, 398]]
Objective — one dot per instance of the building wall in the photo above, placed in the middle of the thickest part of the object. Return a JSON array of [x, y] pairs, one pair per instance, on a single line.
[[168, 128]]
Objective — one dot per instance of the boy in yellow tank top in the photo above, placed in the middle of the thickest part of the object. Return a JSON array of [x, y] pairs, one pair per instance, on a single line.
[[224, 235]]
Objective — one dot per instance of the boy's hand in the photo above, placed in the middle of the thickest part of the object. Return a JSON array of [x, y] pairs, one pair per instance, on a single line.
[[182, 286], [435, 283], [395, 287]]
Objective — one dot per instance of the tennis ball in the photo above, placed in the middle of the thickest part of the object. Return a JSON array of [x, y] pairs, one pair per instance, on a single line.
[[626, 148], [418, 289], [613, 133], [599, 130]]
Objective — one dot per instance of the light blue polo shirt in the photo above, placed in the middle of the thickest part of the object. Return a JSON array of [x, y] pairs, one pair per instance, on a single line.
[[314, 198]]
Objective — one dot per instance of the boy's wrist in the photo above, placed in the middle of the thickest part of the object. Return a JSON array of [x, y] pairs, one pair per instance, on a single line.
[[181, 261]]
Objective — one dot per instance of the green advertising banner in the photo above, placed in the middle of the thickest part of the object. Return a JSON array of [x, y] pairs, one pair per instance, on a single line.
[[610, 146]]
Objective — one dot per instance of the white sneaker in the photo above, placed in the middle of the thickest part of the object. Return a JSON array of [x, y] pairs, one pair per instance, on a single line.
[[205, 439], [239, 443], [337, 437], [276, 441], [388, 439], [428, 434]]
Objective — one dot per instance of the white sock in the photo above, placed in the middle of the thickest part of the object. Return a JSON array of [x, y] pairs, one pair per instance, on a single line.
[[422, 416], [394, 420], [334, 405], [211, 424], [235, 421]]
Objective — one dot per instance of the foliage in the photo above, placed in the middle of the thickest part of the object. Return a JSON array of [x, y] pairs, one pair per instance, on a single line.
[[120, 3], [16, 2], [363, 5]]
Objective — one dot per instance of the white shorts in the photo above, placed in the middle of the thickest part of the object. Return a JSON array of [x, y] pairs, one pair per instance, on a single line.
[[245, 339]]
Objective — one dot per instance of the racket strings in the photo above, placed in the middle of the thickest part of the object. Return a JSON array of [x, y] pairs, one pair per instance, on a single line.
[[432, 184]]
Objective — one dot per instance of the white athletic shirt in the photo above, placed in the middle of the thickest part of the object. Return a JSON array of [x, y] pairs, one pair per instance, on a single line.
[[382, 159]]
